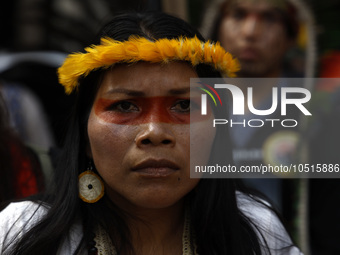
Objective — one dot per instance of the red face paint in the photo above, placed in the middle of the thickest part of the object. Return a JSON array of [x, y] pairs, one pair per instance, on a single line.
[[140, 110]]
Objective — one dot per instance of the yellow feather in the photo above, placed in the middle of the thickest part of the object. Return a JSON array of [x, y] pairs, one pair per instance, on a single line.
[[136, 49]]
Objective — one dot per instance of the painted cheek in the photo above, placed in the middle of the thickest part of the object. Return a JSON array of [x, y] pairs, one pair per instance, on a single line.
[[102, 110]]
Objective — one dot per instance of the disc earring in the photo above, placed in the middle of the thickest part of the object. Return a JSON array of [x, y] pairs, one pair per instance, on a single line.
[[91, 186]]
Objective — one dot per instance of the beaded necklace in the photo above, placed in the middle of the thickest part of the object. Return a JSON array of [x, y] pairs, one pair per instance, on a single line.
[[102, 245]]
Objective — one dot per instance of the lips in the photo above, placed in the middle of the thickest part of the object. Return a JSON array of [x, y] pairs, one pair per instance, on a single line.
[[155, 168], [249, 54]]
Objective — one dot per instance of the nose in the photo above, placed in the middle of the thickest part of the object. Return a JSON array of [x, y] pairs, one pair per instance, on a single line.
[[250, 26], [156, 134]]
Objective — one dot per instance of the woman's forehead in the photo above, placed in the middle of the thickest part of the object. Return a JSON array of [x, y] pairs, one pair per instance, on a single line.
[[147, 78]]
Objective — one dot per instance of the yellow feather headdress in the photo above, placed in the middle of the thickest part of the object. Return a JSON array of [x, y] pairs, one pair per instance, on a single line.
[[137, 49]]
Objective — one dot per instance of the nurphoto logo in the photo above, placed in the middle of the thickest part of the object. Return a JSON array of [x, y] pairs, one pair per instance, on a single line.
[[284, 96]]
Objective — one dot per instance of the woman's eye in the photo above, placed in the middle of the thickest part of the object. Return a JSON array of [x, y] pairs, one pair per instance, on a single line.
[[182, 106], [124, 106]]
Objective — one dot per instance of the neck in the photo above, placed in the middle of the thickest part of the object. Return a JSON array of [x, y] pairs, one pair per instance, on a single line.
[[158, 231], [273, 72], [262, 88], [154, 230]]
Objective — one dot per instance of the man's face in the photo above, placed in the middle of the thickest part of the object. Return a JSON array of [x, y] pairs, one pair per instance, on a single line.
[[254, 32]]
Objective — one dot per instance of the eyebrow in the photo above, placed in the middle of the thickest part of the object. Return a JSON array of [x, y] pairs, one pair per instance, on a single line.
[[136, 93], [179, 91], [128, 92]]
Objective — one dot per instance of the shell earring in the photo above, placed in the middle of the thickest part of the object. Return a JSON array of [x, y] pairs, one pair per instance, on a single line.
[[91, 186]]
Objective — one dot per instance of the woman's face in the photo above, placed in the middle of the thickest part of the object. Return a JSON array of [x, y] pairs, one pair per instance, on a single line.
[[139, 134]]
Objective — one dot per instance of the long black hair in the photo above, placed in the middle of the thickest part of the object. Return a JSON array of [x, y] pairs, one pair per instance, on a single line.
[[219, 226]]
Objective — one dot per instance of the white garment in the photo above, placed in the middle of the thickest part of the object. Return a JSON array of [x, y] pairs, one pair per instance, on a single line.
[[15, 219], [18, 218]]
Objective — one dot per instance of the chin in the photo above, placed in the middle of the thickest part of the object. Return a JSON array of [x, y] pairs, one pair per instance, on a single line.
[[158, 198], [157, 202], [252, 71]]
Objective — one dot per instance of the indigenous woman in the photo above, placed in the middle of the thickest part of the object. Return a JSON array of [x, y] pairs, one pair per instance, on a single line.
[[123, 185]]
